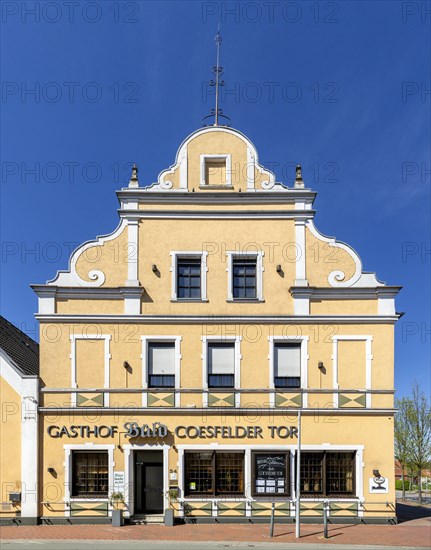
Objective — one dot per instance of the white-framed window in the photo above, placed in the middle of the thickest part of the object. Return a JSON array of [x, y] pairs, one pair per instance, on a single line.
[[189, 276], [221, 362], [89, 472], [161, 360], [244, 276], [216, 170], [288, 361]]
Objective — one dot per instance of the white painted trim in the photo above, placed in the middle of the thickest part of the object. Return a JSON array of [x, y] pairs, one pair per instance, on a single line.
[[236, 340], [163, 185], [133, 253], [226, 157], [234, 319], [70, 277], [337, 278], [73, 382], [176, 340], [248, 449], [203, 255], [68, 470], [129, 475], [300, 264], [368, 339], [232, 255]]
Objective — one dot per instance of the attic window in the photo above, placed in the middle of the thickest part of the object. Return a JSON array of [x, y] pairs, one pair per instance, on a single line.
[[216, 170]]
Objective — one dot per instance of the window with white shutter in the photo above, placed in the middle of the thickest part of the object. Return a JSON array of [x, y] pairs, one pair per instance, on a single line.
[[161, 365], [221, 365], [287, 365]]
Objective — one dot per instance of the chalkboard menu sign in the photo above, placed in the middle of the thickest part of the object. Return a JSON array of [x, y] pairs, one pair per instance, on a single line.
[[270, 473]]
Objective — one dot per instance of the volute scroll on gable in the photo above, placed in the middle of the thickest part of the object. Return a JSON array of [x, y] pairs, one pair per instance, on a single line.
[[239, 164]]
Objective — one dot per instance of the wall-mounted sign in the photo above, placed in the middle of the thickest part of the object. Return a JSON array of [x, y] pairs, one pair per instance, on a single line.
[[379, 485], [159, 430], [119, 482]]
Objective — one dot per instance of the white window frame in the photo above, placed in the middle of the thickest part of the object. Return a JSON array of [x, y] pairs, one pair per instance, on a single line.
[[73, 382], [192, 254], [233, 255], [368, 339], [69, 469], [227, 158], [303, 341], [176, 340], [236, 340]]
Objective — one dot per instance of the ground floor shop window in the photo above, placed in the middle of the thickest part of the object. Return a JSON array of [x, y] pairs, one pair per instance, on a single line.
[[90, 474], [214, 473], [270, 474], [327, 473]]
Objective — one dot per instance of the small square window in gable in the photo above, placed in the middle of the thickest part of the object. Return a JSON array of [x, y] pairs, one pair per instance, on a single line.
[[215, 172]]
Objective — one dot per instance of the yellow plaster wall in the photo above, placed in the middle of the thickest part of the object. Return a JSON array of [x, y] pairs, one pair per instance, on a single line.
[[343, 307], [10, 446], [107, 307], [351, 364], [377, 437], [126, 345], [322, 259], [110, 257]]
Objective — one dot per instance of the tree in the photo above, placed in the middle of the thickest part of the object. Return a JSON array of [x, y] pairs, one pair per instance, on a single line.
[[402, 440], [413, 433]]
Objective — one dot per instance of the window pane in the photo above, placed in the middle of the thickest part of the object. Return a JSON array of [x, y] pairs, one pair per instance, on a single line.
[[244, 278], [229, 473], [161, 358], [339, 472], [189, 278], [270, 473], [287, 360], [221, 381], [90, 474], [198, 473], [311, 472], [221, 358]]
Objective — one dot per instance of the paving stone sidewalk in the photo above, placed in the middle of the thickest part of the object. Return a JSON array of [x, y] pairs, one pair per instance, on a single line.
[[413, 533]]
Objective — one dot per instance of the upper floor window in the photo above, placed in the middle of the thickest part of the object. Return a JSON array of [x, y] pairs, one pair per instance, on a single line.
[[189, 275], [221, 365], [189, 278], [161, 365], [216, 170], [245, 276], [287, 365]]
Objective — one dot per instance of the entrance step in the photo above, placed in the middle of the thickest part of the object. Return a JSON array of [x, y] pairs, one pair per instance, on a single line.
[[147, 518]]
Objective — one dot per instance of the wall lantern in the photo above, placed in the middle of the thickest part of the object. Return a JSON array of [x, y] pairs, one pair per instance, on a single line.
[[320, 365], [279, 270], [154, 268], [51, 470]]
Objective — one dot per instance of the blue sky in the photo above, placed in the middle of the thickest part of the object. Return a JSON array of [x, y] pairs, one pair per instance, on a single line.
[[340, 87]]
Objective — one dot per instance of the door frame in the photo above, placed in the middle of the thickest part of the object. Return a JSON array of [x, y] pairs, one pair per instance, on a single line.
[[129, 474]]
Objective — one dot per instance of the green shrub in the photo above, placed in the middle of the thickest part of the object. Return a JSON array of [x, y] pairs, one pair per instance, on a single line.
[[399, 484]]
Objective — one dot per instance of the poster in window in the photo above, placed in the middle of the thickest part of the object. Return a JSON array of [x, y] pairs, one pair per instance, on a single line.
[[270, 473]]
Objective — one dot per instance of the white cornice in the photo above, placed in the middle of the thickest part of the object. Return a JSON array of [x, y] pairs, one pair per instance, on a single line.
[[344, 293], [199, 319], [219, 215]]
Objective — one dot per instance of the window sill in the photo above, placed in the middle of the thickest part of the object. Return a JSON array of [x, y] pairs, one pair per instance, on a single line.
[[88, 499], [221, 186], [188, 300], [245, 300]]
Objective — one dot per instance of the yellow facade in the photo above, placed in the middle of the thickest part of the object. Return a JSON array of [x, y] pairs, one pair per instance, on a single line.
[[121, 300]]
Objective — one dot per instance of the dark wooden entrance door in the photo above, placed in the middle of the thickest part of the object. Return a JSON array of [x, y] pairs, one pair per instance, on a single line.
[[148, 488]]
